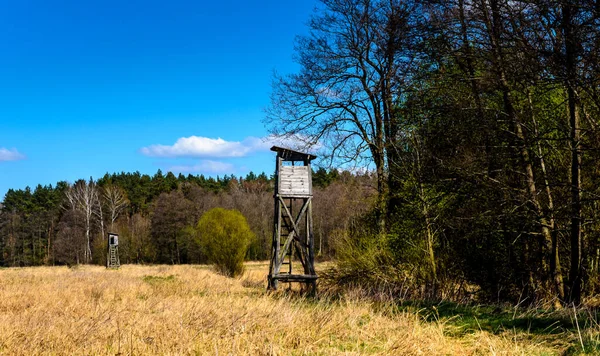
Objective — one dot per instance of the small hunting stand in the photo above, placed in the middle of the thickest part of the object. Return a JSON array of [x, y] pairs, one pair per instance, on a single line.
[[112, 257], [293, 184]]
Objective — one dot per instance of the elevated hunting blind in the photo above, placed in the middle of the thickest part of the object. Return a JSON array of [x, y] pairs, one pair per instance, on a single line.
[[112, 257], [293, 224]]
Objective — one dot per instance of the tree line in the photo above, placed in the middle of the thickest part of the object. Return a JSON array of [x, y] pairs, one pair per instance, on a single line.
[[481, 119], [155, 216]]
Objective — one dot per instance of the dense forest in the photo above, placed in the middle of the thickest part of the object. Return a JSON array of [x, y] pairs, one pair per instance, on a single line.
[[479, 121], [155, 215]]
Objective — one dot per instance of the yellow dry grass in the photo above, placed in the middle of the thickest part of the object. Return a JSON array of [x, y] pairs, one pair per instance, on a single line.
[[192, 310]]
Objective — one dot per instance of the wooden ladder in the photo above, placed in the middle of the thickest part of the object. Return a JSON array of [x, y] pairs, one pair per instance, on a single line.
[[113, 257], [285, 231]]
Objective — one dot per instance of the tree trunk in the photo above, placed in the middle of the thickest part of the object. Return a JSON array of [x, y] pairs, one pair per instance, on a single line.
[[88, 249], [49, 251], [576, 271], [430, 238], [494, 28], [100, 215], [554, 257], [575, 274], [382, 194], [426, 211]]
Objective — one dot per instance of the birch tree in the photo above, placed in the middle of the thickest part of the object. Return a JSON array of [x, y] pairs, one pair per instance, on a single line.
[[83, 196], [116, 201]]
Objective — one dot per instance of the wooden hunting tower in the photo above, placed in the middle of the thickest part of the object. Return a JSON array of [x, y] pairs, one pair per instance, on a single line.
[[112, 257], [293, 224]]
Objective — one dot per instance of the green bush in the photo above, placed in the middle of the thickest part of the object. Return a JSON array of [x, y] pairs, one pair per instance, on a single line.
[[363, 261], [225, 237]]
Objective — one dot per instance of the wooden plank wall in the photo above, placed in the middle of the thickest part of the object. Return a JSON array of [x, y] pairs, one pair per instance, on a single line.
[[294, 181]]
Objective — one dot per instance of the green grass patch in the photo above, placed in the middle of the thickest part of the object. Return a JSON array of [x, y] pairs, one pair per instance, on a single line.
[[154, 280], [493, 319], [554, 327], [591, 346]]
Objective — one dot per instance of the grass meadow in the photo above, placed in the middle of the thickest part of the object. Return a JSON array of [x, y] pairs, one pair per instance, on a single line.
[[181, 310]]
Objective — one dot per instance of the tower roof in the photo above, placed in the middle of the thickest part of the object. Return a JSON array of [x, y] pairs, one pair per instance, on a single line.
[[291, 155]]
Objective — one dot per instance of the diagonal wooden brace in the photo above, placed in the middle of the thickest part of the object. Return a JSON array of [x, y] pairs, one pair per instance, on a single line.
[[295, 229], [302, 253]]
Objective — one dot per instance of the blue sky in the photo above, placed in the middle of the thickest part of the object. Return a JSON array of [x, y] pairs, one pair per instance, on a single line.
[[89, 87]]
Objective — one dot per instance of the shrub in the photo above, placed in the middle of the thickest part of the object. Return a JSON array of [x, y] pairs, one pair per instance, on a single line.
[[225, 237], [363, 261]]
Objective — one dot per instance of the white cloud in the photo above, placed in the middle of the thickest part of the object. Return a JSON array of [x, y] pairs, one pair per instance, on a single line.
[[197, 146], [205, 147], [10, 155], [204, 166]]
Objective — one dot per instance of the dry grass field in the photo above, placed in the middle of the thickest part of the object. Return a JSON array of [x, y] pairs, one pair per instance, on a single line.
[[174, 310]]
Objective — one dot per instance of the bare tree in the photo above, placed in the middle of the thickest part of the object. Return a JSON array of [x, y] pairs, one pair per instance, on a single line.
[[83, 196], [116, 201], [100, 215], [355, 65]]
